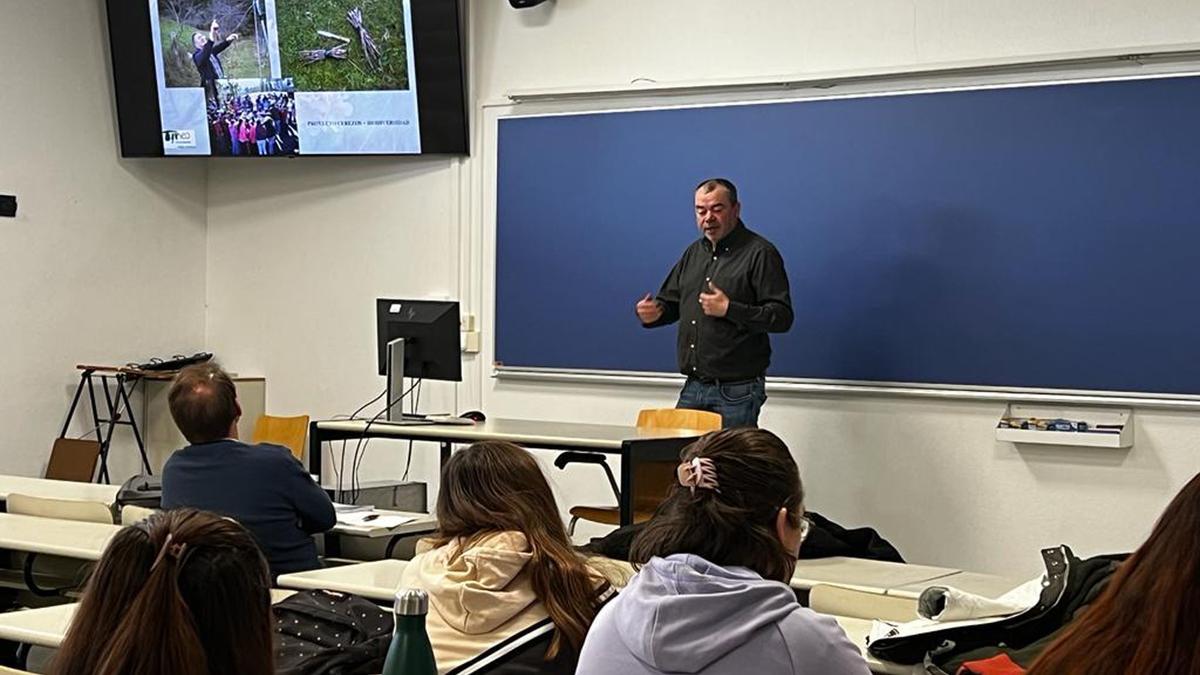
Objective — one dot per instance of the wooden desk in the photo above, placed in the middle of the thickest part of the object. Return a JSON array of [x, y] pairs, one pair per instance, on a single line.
[[858, 630], [628, 442], [376, 580], [47, 626], [57, 489], [866, 575], [50, 536]]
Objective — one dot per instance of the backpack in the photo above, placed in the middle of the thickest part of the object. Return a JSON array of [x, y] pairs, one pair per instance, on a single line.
[[330, 633]]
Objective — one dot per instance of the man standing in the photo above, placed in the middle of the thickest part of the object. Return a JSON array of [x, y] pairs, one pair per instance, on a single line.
[[728, 291], [205, 55], [263, 486]]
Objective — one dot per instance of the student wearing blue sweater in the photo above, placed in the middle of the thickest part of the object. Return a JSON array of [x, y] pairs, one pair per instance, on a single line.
[[263, 486]]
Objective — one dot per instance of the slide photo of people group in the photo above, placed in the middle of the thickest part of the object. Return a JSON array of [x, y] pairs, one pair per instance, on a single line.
[[256, 78]]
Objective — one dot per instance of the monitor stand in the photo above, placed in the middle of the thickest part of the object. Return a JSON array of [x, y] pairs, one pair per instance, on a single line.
[[395, 384]]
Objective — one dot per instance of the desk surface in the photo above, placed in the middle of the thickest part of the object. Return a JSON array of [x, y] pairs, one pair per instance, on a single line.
[[532, 433], [50, 536], [867, 575], [421, 523], [987, 585], [377, 580], [57, 489], [47, 626]]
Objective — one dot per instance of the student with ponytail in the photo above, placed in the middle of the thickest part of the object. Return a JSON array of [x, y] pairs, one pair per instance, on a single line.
[[507, 592], [712, 595], [184, 592]]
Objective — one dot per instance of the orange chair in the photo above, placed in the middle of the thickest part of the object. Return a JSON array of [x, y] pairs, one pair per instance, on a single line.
[[652, 479], [289, 432]]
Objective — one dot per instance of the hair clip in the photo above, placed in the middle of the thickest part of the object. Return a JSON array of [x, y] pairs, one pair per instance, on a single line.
[[169, 548], [700, 472]]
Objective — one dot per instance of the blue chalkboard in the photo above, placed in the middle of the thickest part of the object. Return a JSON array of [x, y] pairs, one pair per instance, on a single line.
[[1036, 236]]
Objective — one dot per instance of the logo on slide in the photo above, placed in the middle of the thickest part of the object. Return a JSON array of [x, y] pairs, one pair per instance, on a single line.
[[178, 138]]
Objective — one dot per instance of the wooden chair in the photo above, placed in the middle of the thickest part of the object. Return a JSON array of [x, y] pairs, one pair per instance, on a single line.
[[653, 479], [289, 432], [73, 459], [59, 509]]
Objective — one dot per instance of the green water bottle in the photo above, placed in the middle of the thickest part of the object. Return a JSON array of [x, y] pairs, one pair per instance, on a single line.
[[410, 653]]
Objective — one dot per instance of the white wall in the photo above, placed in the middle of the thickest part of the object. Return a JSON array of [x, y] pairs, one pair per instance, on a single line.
[[296, 253], [105, 261]]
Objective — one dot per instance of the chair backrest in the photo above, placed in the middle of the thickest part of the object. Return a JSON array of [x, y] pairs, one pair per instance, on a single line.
[[62, 509], [678, 418], [73, 459], [132, 513], [841, 601], [289, 432], [652, 480]]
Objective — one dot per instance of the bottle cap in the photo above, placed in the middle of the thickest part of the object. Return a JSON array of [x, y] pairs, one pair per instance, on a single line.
[[411, 602]]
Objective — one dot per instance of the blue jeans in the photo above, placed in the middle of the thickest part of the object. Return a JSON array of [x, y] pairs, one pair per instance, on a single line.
[[738, 403]]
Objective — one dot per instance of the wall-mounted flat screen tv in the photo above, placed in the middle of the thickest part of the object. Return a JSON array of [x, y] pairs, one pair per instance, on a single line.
[[280, 78]]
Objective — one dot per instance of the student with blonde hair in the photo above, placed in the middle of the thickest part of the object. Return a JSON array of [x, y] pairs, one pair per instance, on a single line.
[[507, 592]]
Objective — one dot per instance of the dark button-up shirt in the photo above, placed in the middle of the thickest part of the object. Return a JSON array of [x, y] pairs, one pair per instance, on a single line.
[[750, 271]]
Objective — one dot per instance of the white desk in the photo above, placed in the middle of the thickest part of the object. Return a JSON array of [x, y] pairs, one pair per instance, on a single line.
[[987, 585], [377, 580], [420, 523], [47, 626], [628, 442], [50, 536], [858, 630], [57, 489], [528, 433], [866, 575]]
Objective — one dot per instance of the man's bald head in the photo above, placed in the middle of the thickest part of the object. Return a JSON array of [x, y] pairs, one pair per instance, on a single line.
[[204, 403]]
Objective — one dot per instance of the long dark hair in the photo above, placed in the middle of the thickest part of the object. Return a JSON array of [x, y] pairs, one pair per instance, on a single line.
[[184, 592], [734, 526], [495, 486], [1148, 618]]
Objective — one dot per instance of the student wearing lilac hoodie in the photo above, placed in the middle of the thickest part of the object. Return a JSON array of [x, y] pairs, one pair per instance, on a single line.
[[711, 596]]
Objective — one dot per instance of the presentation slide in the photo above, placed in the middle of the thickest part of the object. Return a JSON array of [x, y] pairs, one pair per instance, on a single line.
[[285, 77]]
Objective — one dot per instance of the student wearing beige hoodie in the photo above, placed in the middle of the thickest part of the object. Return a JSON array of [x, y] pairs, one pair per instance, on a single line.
[[507, 592]]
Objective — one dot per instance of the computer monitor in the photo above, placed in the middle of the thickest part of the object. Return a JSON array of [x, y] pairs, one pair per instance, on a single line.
[[421, 334]]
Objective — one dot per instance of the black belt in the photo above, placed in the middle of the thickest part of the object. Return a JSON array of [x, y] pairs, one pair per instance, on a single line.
[[717, 380]]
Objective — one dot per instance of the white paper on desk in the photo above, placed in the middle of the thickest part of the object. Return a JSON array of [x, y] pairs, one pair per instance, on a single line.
[[373, 519], [341, 508], [881, 629]]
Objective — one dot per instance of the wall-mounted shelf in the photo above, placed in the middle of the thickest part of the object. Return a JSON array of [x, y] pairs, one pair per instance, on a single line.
[[1107, 427]]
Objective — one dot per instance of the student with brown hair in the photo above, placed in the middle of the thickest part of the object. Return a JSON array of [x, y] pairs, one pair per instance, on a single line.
[[712, 595], [507, 592], [183, 592], [1147, 620]]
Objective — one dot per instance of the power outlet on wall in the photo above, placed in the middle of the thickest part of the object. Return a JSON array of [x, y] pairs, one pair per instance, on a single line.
[[8, 206]]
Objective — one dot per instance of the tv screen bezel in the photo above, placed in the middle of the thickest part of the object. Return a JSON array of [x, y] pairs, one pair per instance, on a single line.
[[441, 79]]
